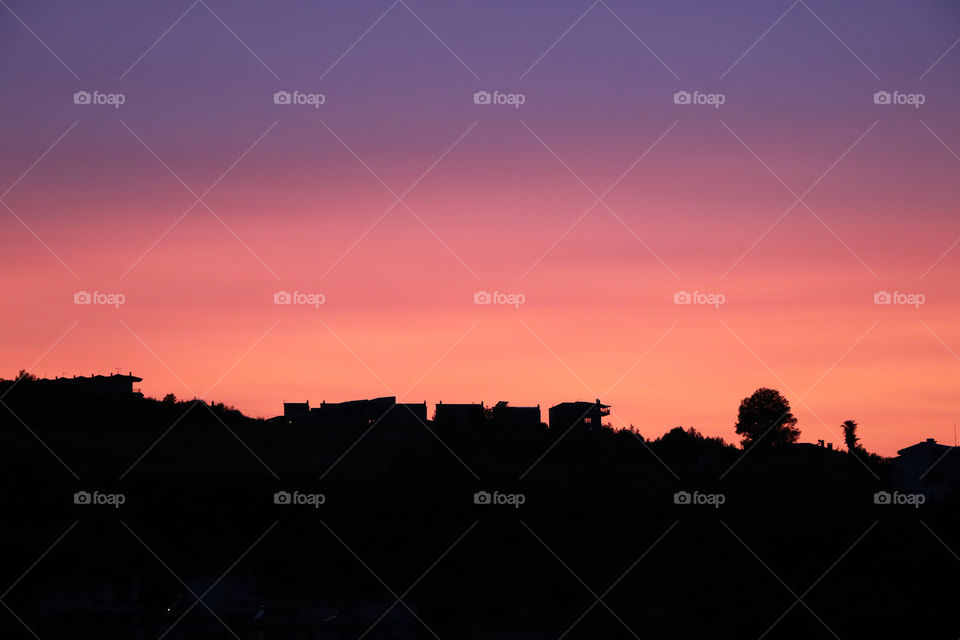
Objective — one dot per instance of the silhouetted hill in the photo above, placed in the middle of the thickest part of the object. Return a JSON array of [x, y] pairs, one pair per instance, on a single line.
[[519, 530]]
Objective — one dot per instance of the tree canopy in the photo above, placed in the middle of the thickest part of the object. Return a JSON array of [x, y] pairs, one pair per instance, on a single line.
[[765, 419]]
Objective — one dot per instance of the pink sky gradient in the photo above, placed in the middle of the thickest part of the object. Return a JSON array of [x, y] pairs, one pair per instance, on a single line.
[[498, 211]]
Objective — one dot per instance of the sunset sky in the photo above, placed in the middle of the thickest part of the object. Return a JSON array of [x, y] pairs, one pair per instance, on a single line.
[[598, 199]]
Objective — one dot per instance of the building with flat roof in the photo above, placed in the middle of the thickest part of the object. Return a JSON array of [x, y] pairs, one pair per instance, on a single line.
[[586, 416], [96, 385], [296, 411], [503, 415], [459, 415], [929, 468]]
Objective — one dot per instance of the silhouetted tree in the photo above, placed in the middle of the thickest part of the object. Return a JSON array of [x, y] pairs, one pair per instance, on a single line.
[[680, 435], [170, 398], [23, 374], [765, 419], [491, 414], [679, 439], [850, 435]]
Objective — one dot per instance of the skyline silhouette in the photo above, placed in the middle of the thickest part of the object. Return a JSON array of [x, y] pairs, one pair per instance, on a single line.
[[821, 432], [135, 505], [765, 416]]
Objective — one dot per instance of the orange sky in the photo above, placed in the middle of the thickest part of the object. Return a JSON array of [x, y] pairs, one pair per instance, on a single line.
[[494, 198]]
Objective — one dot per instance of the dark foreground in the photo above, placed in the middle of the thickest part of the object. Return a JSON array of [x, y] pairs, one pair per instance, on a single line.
[[209, 541]]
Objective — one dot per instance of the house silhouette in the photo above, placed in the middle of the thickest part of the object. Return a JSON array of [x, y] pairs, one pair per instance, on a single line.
[[296, 411], [929, 468], [94, 385], [362, 413], [579, 416], [355, 413], [502, 414], [459, 415]]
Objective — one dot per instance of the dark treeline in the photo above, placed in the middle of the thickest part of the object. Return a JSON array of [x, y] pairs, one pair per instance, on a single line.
[[518, 531]]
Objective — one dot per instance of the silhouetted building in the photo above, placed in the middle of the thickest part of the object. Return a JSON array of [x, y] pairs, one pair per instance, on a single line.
[[405, 421], [352, 413], [928, 467], [296, 411], [578, 415], [459, 415], [408, 412], [112, 385], [504, 415]]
